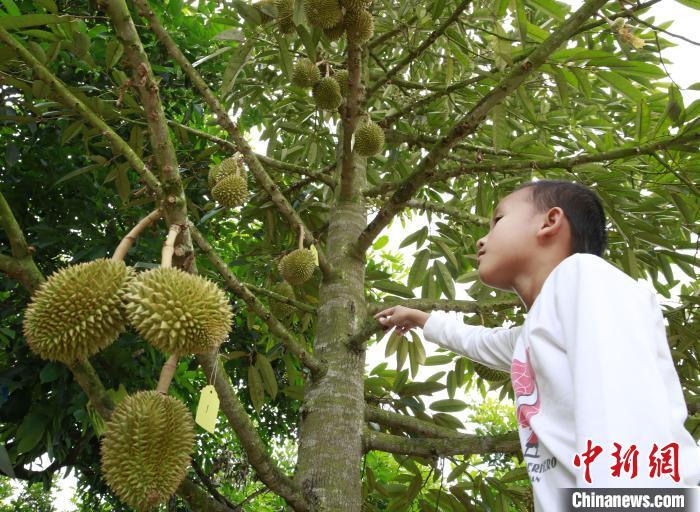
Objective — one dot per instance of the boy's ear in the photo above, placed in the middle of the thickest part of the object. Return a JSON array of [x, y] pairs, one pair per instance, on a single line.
[[553, 221]]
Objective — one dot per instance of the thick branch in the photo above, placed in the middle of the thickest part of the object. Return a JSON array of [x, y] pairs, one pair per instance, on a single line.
[[469, 123], [415, 52], [355, 94], [461, 306], [391, 33], [282, 298], [423, 140], [411, 424], [62, 93], [266, 469], [20, 265], [199, 500], [459, 214], [427, 447], [231, 128], [253, 304]]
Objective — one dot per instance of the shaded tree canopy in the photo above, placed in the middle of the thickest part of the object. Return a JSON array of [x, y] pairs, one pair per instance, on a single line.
[[112, 110]]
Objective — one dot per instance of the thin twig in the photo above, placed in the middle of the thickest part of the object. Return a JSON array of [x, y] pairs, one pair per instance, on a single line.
[[130, 238]]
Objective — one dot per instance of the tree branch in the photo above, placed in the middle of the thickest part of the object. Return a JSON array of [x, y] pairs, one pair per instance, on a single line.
[[391, 33], [119, 145], [231, 128], [307, 359], [281, 298], [462, 306], [355, 93], [266, 469], [410, 424], [460, 214], [423, 140], [468, 124], [427, 447], [415, 52]]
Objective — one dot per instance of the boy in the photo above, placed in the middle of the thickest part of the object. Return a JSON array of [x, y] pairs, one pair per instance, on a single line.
[[591, 367]]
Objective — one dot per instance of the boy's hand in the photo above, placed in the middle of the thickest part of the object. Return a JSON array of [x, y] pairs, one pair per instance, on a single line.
[[402, 318]]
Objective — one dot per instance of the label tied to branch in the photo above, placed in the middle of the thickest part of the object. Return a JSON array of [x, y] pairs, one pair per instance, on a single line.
[[207, 409]]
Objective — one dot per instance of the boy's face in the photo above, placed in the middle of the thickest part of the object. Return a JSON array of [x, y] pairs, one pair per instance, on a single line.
[[507, 250]]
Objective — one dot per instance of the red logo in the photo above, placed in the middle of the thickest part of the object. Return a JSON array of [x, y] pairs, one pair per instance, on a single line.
[[527, 399]]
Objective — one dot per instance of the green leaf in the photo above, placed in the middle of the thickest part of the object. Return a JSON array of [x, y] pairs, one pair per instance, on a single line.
[[418, 271], [285, 57], [674, 107], [50, 372], [643, 120], [31, 431], [49, 5], [621, 84], [71, 131], [380, 242], [551, 8], [420, 350], [268, 375], [393, 287], [421, 388], [255, 388], [444, 279], [32, 20], [522, 19], [401, 353], [448, 405], [693, 4], [438, 360], [5, 464], [77, 172], [417, 236], [12, 8], [234, 66], [122, 182], [392, 343], [451, 384], [447, 420]]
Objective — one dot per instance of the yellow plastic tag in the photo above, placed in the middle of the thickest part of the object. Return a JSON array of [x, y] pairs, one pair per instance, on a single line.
[[207, 409], [315, 253]]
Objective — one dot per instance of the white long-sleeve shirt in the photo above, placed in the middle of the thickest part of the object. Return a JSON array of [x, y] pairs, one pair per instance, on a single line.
[[590, 362]]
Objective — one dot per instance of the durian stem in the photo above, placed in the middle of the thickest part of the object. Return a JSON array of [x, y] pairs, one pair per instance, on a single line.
[[130, 238], [301, 237], [166, 260], [166, 374]]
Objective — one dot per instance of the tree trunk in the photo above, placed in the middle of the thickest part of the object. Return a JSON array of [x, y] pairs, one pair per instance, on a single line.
[[330, 446]]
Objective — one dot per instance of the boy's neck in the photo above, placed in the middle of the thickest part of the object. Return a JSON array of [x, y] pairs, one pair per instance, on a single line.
[[529, 284]]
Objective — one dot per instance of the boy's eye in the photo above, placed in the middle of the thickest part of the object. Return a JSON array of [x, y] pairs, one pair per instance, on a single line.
[[496, 219]]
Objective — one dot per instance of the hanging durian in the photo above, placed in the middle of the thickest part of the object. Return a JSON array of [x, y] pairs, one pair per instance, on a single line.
[[369, 139], [354, 5], [285, 16], [227, 167], [341, 76], [326, 93], [78, 311], [298, 266], [359, 26], [335, 32], [281, 309], [146, 448], [490, 374], [323, 13], [178, 312], [232, 191], [306, 73]]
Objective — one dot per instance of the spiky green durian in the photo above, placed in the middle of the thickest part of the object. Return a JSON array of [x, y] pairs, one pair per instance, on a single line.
[[285, 16], [359, 26], [227, 167], [341, 76], [178, 312], [326, 92], [335, 32], [305, 73], [78, 311], [298, 266], [369, 139], [146, 448], [489, 374], [323, 13], [281, 309], [232, 191]]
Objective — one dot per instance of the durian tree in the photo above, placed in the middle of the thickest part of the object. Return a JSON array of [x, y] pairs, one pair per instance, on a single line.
[[146, 240]]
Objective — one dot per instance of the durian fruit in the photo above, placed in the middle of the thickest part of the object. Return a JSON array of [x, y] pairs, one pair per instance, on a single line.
[[281, 309], [369, 139], [335, 32], [326, 92], [232, 191], [323, 13], [341, 76], [489, 374], [359, 26], [298, 266], [285, 16], [78, 311], [305, 73], [177, 312], [146, 448], [227, 167]]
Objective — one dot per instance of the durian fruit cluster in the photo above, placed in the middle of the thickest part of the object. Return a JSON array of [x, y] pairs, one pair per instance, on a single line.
[[328, 91], [82, 309], [228, 182], [336, 17], [282, 310], [490, 374]]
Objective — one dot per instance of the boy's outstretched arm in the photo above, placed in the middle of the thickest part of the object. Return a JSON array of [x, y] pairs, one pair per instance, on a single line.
[[492, 347]]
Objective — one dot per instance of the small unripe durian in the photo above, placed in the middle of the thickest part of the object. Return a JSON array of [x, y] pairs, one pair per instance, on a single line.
[[227, 167], [369, 139], [323, 13], [231, 191], [78, 311], [341, 76], [354, 5], [281, 309], [327, 94], [359, 26], [146, 448], [335, 32], [285, 16], [489, 374], [177, 312], [305, 73], [298, 266]]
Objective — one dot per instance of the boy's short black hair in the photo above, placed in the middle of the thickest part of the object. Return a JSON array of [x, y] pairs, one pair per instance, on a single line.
[[582, 207]]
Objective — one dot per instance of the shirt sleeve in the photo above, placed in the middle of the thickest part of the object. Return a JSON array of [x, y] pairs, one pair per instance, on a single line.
[[625, 387], [492, 347]]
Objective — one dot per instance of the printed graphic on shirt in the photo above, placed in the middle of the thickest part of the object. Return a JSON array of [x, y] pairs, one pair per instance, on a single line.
[[527, 399]]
